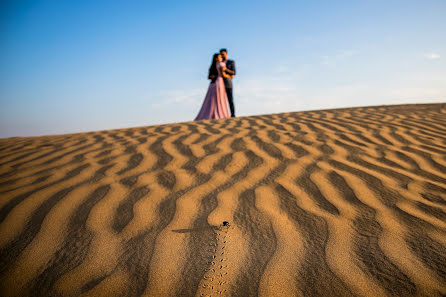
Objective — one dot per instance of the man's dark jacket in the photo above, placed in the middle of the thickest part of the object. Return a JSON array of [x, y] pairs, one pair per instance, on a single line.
[[230, 64]]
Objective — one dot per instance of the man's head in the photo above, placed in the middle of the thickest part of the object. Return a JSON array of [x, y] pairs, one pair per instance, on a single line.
[[224, 54]]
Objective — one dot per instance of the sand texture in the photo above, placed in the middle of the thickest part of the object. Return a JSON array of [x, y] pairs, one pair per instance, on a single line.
[[345, 202]]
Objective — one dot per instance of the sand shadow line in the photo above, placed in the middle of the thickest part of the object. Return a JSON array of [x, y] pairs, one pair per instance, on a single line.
[[198, 229]]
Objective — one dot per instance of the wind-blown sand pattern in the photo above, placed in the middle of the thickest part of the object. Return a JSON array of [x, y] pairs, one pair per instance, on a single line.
[[346, 202]]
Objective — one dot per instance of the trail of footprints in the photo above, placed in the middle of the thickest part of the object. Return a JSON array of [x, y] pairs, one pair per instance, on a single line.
[[404, 141], [214, 283]]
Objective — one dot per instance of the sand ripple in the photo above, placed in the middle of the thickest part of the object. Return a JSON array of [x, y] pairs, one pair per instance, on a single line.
[[346, 202]]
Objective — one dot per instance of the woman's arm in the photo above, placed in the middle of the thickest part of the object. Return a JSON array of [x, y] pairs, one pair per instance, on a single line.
[[230, 68], [223, 73], [230, 72]]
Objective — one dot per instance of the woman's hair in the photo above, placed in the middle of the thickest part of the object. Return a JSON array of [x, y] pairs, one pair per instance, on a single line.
[[213, 68]]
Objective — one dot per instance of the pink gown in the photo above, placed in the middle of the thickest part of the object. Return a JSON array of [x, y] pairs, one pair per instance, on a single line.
[[215, 105]]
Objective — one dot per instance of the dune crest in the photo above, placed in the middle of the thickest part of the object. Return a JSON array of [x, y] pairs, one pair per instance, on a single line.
[[343, 202]]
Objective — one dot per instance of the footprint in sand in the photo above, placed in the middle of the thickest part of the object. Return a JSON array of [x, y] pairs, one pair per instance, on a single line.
[[214, 279]]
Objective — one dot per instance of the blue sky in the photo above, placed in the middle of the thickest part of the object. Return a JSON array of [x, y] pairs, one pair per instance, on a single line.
[[76, 66]]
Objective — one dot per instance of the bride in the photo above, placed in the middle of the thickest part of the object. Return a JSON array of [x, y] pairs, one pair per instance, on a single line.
[[215, 105]]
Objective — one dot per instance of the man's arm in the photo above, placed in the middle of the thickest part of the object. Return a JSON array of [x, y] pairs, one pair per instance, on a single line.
[[212, 77]]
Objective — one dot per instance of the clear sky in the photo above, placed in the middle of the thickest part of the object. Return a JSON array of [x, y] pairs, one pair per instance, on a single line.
[[85, 65]]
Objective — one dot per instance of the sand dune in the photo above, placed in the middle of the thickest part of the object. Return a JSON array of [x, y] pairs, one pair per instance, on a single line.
[[345, 202]]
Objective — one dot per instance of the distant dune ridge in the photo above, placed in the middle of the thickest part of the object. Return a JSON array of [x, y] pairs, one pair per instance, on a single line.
[[344, 202]]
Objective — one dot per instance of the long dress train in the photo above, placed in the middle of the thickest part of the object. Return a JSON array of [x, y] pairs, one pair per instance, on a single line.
[[215, 104]]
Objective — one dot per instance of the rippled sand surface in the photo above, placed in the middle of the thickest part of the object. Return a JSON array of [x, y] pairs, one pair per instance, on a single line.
[[346, 202]]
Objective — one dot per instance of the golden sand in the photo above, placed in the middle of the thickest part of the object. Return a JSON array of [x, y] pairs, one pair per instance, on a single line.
[[345, 202]]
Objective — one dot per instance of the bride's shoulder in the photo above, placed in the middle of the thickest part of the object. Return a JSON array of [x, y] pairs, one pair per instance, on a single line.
[[221, 64]]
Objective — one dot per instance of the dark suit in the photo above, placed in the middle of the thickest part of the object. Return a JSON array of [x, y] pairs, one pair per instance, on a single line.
[[230, 64]]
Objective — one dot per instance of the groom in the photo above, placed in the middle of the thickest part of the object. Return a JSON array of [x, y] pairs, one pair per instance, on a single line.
[[230, 69]]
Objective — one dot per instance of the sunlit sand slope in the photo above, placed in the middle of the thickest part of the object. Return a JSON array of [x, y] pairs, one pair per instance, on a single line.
[[346, 202]]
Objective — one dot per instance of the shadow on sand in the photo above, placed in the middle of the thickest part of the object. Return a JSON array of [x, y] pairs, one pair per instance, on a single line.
[[198, 229]]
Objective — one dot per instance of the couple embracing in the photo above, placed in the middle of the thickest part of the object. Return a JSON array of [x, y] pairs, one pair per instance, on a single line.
[[219, 94]]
